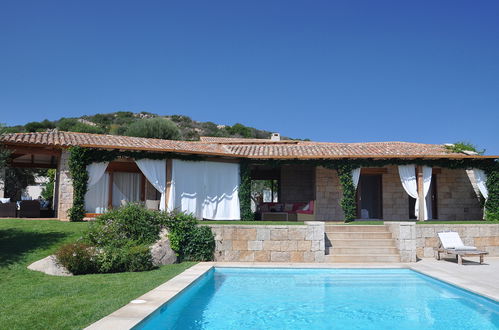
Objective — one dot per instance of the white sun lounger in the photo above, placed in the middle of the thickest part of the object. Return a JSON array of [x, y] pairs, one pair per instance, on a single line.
[[451, 243]]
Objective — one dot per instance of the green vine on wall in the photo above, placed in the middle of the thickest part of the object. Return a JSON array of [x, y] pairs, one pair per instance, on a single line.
[[348, 202], [245, 191]]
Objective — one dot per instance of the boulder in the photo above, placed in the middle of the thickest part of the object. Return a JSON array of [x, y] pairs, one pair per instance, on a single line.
[[50, 266], [161, 252]]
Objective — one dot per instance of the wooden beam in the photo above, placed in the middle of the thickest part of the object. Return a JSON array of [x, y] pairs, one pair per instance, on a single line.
[[373, 170], [31, 165], [130, 167], [142, 187], [169, 164], [33, 150], [110, 192], [419, 170]]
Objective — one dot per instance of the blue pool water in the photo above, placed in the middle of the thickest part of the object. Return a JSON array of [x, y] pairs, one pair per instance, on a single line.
[[252, 298]]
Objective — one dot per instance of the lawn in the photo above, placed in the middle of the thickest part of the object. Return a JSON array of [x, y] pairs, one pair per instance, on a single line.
[[33, 300]]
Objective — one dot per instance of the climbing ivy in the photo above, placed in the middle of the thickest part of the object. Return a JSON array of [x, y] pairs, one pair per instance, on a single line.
[[245, 191], [348, 202]]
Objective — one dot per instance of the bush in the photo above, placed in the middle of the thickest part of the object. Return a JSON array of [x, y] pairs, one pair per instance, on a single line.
[[158, 128], [78, 258], [187, 239], [133, 258], [128, 223], [200, 245]]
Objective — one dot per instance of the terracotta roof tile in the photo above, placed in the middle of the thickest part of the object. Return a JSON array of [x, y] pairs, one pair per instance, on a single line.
[[234, 147]]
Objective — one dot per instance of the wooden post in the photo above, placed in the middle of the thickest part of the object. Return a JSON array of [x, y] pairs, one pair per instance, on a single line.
[[420, 214], [110, 192], [169, 164]]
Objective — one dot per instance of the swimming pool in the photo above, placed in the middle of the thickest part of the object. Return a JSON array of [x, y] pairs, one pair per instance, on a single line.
[[275, 298]]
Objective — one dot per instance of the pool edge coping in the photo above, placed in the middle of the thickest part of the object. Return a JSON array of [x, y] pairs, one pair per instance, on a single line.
[[132, 314]]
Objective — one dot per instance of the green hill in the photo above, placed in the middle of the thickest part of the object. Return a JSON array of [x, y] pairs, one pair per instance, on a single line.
[[178, 127]]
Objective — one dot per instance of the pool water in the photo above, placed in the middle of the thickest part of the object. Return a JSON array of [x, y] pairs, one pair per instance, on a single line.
[[270, 298]]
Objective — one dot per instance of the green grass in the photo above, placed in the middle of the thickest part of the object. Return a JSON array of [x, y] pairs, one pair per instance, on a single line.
[[33, 300], [213, 222]]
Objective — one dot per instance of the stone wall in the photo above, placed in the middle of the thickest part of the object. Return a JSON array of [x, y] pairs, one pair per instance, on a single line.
[[328, 194], [483, 236], [456, 198], [64, 187], [404, 235], [297, 183], [262, 243], [395, 199]]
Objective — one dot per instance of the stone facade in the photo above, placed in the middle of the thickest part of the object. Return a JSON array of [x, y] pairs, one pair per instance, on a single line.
[[297, 183], [64, 187], [404, 235], [328, 195], [261, 243], [456, 198], [395, 199], [483, 236]]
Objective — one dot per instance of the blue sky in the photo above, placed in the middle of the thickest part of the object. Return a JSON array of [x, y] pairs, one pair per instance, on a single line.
[[346, 71]]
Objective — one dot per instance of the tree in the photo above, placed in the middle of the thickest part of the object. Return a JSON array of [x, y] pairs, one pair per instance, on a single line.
[[158, 128]]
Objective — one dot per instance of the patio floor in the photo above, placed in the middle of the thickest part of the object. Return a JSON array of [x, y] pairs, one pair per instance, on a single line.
[[482, 279]]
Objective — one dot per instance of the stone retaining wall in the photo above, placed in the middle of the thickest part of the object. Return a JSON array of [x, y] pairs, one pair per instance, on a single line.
[[264, 243], [404, 235], [483, 236]]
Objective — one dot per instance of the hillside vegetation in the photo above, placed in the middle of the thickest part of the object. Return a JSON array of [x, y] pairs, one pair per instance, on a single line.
[[144, 124]]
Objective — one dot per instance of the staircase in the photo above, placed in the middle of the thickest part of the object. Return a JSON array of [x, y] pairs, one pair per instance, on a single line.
[[360, 243]]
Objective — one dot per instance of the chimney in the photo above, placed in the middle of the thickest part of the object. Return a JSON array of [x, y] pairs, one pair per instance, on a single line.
[[275, 137]]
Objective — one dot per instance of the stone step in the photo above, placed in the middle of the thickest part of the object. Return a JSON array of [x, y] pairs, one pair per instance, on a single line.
[[352, 258], [359, 235], [362, 242], [361, 250], [354, 228]]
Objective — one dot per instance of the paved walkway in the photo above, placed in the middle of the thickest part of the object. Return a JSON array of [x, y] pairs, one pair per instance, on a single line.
[[482, 279]]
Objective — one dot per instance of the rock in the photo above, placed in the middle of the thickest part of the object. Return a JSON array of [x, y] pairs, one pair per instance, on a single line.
[[49, 266], [161, 252]]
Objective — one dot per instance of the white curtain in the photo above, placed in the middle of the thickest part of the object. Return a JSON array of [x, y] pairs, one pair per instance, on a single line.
[[126, 186], [481, 179], [427, 171], [207, 190], [408, 179], [96, 197], [155, 172], [95, 172], [356, 176]]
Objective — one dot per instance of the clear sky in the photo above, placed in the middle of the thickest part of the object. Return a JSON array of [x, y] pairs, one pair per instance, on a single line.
[[345, 71]]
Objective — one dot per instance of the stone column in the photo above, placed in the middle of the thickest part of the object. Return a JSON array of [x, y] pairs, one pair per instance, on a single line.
[[2, 183], [64, 187]]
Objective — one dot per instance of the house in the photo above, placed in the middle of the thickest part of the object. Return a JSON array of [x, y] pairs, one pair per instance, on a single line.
[[222, 178]]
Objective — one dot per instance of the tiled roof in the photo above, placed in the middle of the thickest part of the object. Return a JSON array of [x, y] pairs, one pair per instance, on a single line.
[[228, 140], [332, 150], [69, 139], [233, 147]]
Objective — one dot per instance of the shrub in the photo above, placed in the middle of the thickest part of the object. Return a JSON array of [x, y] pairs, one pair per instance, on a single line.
[[132, 258], [200, 245], [128, 223], [158, 128], [78, 258], [187, 239]]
